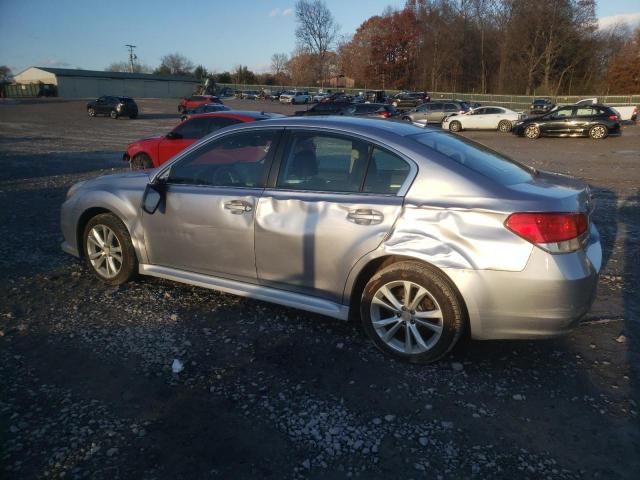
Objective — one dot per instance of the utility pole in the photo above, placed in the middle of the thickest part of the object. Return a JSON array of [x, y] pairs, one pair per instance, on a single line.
[[132, 56]]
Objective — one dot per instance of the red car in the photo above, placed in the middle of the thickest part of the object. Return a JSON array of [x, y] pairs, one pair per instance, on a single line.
[[195, 101], [153, 152]]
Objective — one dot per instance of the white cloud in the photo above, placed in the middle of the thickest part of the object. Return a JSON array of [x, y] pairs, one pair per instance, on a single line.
[[631, 19], [285, 12]]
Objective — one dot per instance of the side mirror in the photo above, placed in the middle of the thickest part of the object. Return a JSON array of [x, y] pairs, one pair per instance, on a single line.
[[154, 194], [173, 136]]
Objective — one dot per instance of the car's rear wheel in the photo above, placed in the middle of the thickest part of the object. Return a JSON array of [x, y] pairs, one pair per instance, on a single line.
[[504, 126], [108, 249], [91, 112], [180, 109], [113, 114], [411, 311], [532, 131], [407, 119], [293, 101], [141, 161], [598, 132], [455, 126]]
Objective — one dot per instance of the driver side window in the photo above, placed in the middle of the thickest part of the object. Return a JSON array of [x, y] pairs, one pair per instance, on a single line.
[[562, 113], [239, 160]]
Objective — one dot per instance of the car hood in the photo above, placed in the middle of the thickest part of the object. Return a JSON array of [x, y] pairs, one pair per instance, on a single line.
[[153, 139], [131, 180]]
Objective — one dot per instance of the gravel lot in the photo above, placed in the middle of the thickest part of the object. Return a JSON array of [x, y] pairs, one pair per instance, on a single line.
[[87, 389]]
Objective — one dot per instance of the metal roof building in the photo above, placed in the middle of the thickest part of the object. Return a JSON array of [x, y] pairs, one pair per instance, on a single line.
[[94, 83]]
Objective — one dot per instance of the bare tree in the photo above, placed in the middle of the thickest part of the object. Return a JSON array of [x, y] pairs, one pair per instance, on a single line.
[[125, 67], [317, 31], [175, 64], [279, 63], [5, 74]]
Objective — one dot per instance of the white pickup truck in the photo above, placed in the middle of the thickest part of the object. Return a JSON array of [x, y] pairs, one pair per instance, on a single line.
[[627, 112]]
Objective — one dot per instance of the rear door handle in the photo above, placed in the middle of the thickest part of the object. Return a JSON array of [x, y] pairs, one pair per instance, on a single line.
[[365, 216], [238, 207]]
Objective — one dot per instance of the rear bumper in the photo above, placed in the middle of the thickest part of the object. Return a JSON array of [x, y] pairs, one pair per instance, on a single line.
[[545, 299]]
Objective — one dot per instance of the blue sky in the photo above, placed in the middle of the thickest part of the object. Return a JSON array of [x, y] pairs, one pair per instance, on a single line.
[[217, 34]]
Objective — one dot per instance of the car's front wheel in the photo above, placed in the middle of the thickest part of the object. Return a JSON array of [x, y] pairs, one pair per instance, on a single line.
[[455, 126], [91, 112], [532, 131], [141, 161], [412, 312], [113, 114], [108, 249], [598, 132]]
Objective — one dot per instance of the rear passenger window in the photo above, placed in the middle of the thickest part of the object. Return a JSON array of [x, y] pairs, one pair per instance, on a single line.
[[386, 173], [585, 112], [324, 163]]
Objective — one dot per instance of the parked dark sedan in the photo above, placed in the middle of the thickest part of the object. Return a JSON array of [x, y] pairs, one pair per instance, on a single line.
[[322, 108], [595, 121], [113, 106], [206, 108], [376, 110], [404, 100], [541, 105]]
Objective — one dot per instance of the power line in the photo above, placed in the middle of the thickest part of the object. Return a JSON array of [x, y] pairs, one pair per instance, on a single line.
[[132, 57]]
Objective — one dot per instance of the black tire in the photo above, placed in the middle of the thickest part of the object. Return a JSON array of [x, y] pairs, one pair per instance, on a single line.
[[113, 114], [141, 161], [180, 109], [129, 262], [91, 112], [407, 119], [293, 101], [598, 132], [504, 126], [133, 116], [455, 126], [442, 296], [532, 131]]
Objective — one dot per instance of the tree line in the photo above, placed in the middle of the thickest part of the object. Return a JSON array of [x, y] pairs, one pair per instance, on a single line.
[[543, 47]]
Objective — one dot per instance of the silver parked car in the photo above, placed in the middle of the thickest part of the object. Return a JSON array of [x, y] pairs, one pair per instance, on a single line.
[[422, 234]]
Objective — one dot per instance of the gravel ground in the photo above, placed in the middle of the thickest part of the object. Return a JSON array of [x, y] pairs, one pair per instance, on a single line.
[[87, 388]]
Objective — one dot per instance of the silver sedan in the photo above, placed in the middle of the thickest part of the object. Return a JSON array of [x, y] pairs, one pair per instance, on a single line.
[[421, 234]]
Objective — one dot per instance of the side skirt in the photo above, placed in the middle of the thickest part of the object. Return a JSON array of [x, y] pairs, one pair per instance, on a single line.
[[257, 292]]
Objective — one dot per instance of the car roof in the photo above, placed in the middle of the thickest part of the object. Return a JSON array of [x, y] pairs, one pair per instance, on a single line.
[[239, 113], [354, 125]]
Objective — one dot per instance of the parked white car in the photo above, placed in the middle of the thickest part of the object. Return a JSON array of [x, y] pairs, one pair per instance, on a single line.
[[295, 97], [318, 97], [482, 118]]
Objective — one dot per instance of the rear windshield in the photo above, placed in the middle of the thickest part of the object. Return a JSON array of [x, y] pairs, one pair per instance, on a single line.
[[476, 157]]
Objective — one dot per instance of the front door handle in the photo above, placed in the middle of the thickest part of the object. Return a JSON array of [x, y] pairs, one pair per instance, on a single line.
[[238, 207], [365, 216]]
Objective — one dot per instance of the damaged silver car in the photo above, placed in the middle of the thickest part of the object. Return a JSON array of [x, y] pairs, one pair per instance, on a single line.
[[423, 235]]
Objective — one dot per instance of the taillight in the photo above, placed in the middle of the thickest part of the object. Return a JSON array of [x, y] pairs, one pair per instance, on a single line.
[[385, 114], [613, 117], [556, 232]]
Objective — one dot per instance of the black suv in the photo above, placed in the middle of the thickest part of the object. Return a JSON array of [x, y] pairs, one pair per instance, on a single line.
[[595, 121], [541, 105], [113, 106]]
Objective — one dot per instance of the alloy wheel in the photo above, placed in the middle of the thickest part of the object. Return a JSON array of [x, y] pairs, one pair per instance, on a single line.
[[532, 131], [406, 317], [104, 251], [598, 132]]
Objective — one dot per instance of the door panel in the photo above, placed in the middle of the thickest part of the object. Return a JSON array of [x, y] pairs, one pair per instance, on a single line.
[[199, 231], [167, 148], [309, 241]]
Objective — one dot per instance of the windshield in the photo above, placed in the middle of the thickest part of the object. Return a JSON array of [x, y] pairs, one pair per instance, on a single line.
[[476, 157]]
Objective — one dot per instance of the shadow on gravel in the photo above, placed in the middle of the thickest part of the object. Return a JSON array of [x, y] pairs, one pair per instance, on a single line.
[[26, 166]]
